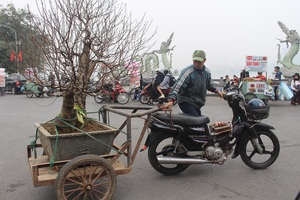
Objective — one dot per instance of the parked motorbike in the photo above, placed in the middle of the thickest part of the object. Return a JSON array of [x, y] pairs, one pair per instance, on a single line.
[[145, 95], [109, 93], [179, 140], [39, 91]]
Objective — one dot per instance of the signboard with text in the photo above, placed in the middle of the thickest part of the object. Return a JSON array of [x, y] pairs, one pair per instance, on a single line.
[[2, 77], [256, 87], [256, 63]]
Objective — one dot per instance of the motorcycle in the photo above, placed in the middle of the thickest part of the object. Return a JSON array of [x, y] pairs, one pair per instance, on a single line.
[[109, 93], [179, 140], [33, 88], [144, 97]]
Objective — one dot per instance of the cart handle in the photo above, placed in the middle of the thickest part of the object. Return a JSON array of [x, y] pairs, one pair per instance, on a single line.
[[133, 114]]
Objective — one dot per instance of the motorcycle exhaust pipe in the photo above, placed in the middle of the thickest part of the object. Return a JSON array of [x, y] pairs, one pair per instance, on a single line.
[[183, 161]]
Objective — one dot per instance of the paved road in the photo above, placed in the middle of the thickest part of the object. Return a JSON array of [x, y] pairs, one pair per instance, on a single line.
[[233, 180]]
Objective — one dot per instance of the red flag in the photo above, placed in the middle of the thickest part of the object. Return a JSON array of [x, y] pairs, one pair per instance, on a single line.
[[12, 56], [20, 56]]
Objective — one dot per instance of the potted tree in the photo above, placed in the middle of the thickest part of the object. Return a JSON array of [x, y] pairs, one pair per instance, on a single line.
[[78, 39]]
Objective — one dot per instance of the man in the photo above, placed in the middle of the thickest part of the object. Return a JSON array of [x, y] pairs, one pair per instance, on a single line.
[[226, 86], [260, 76], [278, 74], [190, 89]]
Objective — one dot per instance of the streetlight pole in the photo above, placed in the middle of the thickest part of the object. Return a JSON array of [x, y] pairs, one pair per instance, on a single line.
[[16, 40]]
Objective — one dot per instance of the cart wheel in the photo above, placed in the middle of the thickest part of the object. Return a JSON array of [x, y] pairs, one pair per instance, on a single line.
[[29, 93], [86, 177]]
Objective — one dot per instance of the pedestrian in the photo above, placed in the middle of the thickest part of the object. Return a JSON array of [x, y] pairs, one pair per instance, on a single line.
[[2, 81], [2, 91], [244, 74], [278, 74], [226, 86], [189, 90], [51, 79], [235, 81], [295, 85]]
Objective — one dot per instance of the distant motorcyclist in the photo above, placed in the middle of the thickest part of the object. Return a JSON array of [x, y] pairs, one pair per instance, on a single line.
[[152, 87], [164, 84]]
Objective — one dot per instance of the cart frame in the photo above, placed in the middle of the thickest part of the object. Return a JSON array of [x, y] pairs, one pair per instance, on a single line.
[[43, 175]]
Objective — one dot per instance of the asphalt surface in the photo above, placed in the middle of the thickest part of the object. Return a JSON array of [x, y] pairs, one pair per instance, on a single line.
[[232, 180]]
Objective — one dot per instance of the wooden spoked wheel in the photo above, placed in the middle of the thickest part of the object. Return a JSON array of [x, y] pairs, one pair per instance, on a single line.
[[86, 177]]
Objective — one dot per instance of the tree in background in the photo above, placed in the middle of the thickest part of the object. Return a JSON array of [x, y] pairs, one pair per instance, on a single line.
[[78, 38], [27, 56]]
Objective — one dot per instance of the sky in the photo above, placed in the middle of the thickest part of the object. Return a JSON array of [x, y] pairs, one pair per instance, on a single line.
[[227, 30]]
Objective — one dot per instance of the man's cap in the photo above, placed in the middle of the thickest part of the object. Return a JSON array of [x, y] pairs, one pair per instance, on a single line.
[[277, 67], [199, 55], [259, 72]]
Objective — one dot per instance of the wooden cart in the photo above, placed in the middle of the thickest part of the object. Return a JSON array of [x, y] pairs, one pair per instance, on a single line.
[[91, 176]]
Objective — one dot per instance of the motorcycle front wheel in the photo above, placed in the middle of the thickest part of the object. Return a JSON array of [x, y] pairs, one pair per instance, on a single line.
[[163, 146], [270, 145], [99, 98], [123, 98], [144, 98]]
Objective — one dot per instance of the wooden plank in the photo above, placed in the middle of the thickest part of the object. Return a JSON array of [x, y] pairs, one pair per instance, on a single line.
[[42, 175]]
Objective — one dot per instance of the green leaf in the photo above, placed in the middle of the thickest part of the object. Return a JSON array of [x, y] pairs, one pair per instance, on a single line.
[[80, 114]]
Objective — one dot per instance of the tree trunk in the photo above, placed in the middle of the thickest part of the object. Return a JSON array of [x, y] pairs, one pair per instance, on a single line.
[[80, 100], [67, 113]]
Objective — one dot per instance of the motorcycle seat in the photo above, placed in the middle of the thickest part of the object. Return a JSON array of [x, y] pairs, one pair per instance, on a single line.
[[182, 119]]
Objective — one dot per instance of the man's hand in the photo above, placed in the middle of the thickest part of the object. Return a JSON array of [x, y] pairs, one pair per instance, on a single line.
[[167, 105]]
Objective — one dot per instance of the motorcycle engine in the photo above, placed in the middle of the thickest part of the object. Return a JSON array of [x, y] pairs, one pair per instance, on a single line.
[[213, 153]]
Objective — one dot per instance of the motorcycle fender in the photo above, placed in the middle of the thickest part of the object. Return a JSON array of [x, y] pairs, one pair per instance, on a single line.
[[122, 90], [150, 138], [239, 136], [154, 134], [237, 149]]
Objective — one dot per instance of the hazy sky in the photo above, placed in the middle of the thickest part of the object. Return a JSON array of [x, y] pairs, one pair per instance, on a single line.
[[227, 30]]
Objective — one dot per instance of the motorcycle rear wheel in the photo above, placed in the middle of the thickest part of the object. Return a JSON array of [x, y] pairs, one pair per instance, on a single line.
[[99, 98], [144, 98], [29, 93], [270, 145], [163, 146], [123, 98]]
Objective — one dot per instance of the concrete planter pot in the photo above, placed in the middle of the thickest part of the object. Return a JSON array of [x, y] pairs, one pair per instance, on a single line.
[[72, 145]]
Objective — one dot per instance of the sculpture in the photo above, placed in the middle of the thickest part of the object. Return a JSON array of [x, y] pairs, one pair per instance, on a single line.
[[289, 68], [164, 49], [151, 60]]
